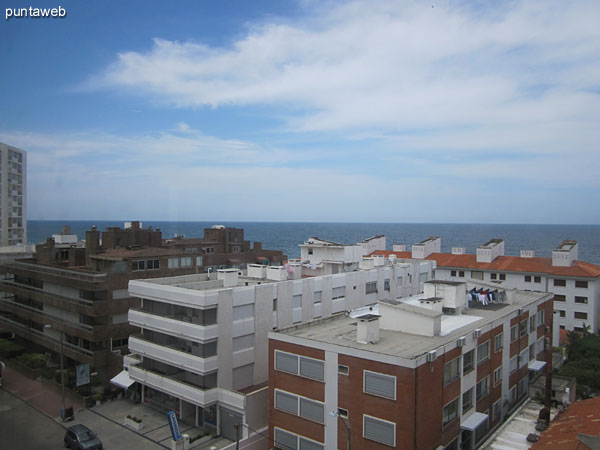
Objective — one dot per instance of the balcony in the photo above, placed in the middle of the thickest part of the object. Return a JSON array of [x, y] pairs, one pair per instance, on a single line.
[[186, 391], [175, 358], [172, 327]]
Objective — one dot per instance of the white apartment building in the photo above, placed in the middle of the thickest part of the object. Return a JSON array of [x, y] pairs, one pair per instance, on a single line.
[[575, 283], [203, 346], [13, 196]]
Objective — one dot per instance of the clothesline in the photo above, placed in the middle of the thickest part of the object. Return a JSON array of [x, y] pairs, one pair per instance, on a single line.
[[486, 296]]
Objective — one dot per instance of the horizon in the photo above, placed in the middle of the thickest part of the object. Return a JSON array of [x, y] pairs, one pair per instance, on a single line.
[[308, 112]]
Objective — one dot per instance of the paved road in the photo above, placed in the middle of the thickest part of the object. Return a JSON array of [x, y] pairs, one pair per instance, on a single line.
[[23, 427]]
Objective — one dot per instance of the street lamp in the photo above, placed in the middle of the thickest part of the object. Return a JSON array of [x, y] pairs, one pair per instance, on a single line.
[[62, 373], [346, 424]]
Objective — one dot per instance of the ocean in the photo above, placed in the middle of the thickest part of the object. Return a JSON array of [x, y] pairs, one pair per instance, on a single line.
[[287, 236]]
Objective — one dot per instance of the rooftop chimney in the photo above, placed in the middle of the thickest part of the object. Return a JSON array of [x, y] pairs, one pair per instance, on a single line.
[[425, 248], [367, 330], [490, 250], [565, 254]]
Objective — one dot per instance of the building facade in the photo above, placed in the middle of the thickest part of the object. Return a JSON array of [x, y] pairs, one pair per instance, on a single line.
[[574, 283], [78, 292], [203, 347], [13, 196], [428, 373]]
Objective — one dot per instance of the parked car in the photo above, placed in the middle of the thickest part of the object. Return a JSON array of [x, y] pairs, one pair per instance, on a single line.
[[81, 437]]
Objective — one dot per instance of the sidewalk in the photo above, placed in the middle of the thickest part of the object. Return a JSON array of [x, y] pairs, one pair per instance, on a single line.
[[43, 395]]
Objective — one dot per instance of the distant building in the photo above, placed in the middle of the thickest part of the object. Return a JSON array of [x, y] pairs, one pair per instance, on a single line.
[[203, 348], [78, 290], [13, 196], [574, 283], [433, 372]]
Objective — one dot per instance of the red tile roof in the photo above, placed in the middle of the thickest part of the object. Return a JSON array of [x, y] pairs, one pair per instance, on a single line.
[[581, 417], [507, 264]]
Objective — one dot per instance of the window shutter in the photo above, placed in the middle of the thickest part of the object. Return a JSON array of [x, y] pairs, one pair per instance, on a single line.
[[285, 440], [379, 431], [312, 368], [286, 402], [305, 444], [312, 410], [286, 362], [379, 384]]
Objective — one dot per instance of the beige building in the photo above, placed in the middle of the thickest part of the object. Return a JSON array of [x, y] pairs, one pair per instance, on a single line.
[[13, 195]]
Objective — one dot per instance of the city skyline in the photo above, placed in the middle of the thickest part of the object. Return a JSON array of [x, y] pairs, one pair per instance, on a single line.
[[307, 111]]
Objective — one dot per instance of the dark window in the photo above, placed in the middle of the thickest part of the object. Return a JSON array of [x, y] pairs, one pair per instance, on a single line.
[[461, 273], [527, 278], [560, 283], [581, 284], [453, 273], [468, 361], [561, 313], [537, 279], [493, 276], [560, 298], [581, 300], [581, 315], [138, 265], [502, 276]]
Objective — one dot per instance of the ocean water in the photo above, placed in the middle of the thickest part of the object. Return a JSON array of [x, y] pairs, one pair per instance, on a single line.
[[287, 235]]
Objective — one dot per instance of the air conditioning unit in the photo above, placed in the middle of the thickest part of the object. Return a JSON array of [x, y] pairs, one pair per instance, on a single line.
[[462, 341], [476, 333], [431, 356]]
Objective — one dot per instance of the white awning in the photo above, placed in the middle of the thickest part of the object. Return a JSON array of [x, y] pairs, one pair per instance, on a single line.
[[473, 421], [122, 380], [536, 365]]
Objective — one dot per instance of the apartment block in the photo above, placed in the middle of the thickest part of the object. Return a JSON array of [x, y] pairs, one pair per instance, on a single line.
[[13, 196], [78, 291], [203, 346], [428, 372], [574, 283]]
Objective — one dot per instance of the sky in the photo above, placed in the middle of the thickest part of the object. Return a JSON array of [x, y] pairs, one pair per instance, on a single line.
[[363, 111]]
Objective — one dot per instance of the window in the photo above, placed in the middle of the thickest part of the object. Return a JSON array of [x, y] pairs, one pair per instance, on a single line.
[[532, 351], [186, 261], [243, 342], [453, 273], [452, 445], [208, 250], [173, 263], [513, 333], [198, 261], [560, 298], [498, 342], [297, 301], [338, 292], [522, 387], [371, 287], [317, 297], [580, 315], [386, 285], [539, 346], [300, 406], [379, 430], [541, 316], [343, 370], [483, 388], [343, 413], [153, 264], [399, 281], [523, 328], [524, 358], [513, 364], [560, 283], [527, 278], [483, 352], [497, 410], [379, 384], [582, 300], [561, 313], [497, 376], [581, 284], [451, 370], [467, 400], [537, 279], [300, 365], [286, 440], [532, 323], [468, 360], [274, 305], [138, 265], [493, 276], [310, 251], [477, 274], [243, 312], [502, 277], [461, 273], [450, 412]]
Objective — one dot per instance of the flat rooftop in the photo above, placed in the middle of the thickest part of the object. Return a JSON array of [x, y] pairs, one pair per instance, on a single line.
[[341, 329]]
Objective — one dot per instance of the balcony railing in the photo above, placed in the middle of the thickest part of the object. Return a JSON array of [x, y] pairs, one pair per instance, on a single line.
[[173, 357], [171, 326]]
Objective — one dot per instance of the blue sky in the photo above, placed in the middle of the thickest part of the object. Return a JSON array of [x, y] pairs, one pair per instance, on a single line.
[[366, 111]]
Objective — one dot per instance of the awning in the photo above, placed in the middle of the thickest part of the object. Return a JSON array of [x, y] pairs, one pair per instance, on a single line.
[[122, 380], [473, 421], [536, 365]]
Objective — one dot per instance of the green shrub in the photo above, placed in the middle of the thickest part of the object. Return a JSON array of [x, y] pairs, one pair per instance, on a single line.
[[33, 360], [9, 349]]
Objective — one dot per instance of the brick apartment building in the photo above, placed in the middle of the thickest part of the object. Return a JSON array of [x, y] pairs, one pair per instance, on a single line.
[[432, 372], [79, 291], [575, 283]]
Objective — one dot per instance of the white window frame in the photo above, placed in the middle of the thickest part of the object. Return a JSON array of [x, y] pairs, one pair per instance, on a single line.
[[489, 347], [497, 379], [299, 398], [498, 338], [381, 375], [457, 401], [298, 358], [379, 420]]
